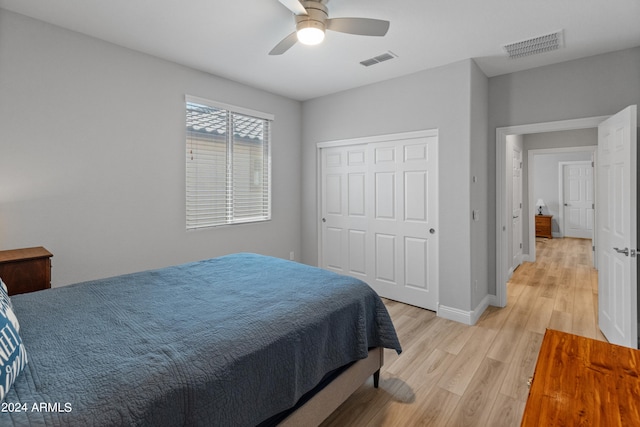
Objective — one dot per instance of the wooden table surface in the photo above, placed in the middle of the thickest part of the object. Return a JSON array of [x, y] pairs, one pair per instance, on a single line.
[[583, 382], [24, 254]]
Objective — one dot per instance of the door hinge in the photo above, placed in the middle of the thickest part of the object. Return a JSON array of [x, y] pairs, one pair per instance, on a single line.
[[520, 245], [593, 248]]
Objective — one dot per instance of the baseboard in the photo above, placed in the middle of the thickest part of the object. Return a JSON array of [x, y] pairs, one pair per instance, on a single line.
[[466, 317], [493, 300], [525, 258], [454, 314], [475, 314]]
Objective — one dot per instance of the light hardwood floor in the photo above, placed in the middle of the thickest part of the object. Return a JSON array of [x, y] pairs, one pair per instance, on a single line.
[[455, 375]]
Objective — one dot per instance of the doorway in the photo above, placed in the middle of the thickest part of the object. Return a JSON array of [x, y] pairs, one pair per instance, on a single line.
[[503, 209], [545, 180]]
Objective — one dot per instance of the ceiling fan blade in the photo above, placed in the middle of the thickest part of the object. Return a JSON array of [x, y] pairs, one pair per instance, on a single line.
[[285, 44], [294, 6], [359, 26]]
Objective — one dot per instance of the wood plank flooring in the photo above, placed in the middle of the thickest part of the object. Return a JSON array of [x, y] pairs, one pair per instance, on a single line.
[[454, 375]]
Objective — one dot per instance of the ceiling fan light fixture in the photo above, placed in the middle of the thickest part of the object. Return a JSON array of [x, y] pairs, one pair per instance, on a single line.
[[310, 33], [312, 20]]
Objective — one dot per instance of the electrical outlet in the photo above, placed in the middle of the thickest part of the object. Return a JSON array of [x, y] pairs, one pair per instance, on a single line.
[[292, 256]]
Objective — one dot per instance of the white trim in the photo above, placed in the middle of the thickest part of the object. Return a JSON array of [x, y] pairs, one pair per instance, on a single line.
[[455, 314], [571, 124], [475, 314], [378, 138], [502, 264], [319, 204], [466, 317], [233, 108]]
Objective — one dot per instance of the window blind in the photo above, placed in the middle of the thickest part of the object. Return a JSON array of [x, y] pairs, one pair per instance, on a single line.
[[228, 166]]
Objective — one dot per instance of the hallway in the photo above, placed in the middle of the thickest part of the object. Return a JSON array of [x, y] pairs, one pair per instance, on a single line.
[[562, 287]]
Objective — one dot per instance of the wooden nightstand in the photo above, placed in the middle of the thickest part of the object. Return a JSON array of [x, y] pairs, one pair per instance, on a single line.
[[543, 226], [26, 270]]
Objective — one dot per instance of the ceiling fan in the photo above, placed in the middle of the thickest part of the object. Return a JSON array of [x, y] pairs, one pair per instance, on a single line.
[[312, 19]]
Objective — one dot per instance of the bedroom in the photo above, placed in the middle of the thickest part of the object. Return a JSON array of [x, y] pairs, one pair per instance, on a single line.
[[80, 117]]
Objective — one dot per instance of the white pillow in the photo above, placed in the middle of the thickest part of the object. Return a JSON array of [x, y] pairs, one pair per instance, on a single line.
[[5, 302], [13, 356]]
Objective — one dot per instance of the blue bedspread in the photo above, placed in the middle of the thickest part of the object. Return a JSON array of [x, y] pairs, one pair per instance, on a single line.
[[229, 341]]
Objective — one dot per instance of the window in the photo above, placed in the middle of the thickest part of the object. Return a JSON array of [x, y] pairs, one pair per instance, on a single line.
[[228, 165]]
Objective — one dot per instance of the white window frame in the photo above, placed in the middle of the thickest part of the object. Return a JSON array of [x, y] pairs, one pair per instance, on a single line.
[[194, 183]]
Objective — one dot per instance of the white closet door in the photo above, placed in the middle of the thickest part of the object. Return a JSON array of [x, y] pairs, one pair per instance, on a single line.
[[344, 228], [379, 210]]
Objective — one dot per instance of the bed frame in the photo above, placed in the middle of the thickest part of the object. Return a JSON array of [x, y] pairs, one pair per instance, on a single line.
[[325, 402]]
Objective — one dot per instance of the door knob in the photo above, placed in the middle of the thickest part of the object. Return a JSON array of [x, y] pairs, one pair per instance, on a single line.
[[432, 231], [624, 251]]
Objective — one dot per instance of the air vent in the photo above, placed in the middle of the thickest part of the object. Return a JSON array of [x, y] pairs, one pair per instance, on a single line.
[[535, 45], [378, 59]]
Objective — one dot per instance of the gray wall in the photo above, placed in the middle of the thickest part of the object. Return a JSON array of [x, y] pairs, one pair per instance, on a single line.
[[561, 139], [92, 150], [553, 140], [589, 87], [92, 156], [479, 167], [439, 98], [545, 183]]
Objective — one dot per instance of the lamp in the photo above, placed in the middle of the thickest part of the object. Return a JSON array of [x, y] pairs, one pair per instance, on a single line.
[[310, 27], [540, 204], [310, 32]]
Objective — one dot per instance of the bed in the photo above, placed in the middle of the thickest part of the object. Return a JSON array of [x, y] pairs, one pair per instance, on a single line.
[[239, 340]]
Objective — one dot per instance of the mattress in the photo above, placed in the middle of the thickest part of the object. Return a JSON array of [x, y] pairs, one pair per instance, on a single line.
[[227, 341]]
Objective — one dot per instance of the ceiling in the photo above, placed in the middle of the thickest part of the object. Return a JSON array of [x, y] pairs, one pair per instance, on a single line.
[[232, 39]]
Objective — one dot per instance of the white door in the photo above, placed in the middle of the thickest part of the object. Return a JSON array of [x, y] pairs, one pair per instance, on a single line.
[[379, 212], [578, 200], [617, 219], [344, 217], [516, 208]]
